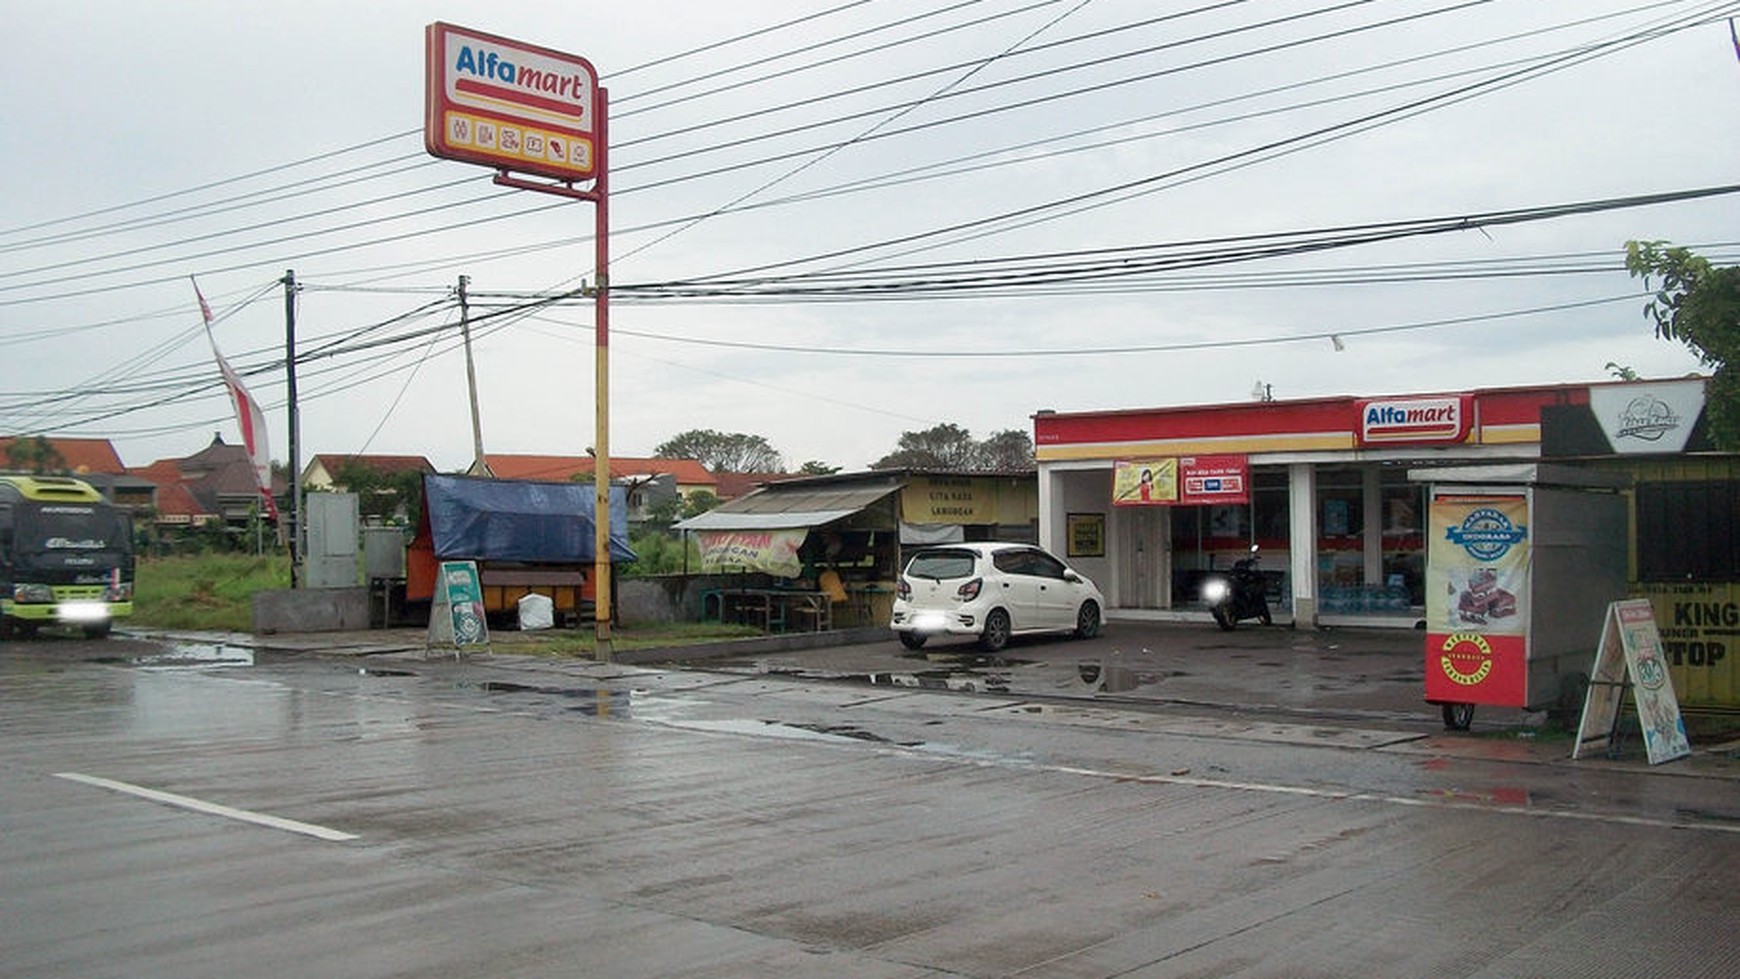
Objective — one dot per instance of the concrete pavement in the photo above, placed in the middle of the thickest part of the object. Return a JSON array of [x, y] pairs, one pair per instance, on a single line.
[[1322, 685]]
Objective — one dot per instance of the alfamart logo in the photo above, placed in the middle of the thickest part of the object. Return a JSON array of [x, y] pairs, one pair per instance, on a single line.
[[1647, 418], [1414, 420], [1486, 534]]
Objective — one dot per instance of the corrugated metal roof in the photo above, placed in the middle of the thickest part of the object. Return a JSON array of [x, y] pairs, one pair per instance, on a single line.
[[782, 508]]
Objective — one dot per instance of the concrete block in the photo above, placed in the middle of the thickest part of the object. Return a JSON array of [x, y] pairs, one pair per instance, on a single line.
[[311, 610]]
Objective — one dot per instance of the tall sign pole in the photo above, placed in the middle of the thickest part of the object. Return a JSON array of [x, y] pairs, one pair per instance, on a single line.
[[289, 281], [601, 386], [524, 109]]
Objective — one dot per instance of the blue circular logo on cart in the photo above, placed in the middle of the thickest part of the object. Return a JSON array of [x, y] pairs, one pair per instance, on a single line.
[[1486, 534]]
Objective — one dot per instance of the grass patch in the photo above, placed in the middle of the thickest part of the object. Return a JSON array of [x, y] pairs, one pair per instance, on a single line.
[[215, 593], [207, 592]]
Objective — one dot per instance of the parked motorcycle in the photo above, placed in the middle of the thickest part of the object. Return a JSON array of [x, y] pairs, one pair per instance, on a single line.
[[1237, 594]]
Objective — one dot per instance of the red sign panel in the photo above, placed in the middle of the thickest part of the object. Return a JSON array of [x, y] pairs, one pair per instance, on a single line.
[[1207, 480], [509, 105], [1393, 420]]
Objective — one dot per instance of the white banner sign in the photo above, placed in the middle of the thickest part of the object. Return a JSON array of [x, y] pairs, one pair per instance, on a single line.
[[772, 551]]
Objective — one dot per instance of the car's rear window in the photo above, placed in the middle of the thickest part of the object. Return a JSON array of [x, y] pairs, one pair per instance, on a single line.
[[942, 564]]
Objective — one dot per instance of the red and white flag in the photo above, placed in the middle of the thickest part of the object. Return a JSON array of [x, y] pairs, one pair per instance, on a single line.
[[248, 415]]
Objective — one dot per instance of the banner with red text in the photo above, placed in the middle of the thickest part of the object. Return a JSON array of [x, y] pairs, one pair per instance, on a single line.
[[772, 551]]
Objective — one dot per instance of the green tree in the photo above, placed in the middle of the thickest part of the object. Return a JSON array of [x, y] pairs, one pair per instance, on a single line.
[[952, 447], [383, 496], [36, 455], [733, 452], [1010, 449], [816, 467], [699, 502], [1697, 304], [945, 446]]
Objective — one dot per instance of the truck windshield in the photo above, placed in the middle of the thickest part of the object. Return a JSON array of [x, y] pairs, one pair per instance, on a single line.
[[62, 533]]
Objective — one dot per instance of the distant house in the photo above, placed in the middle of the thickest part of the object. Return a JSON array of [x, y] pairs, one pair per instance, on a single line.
[[92, 460], [689, 475], [69, 456], [646, 482], [380, 503], [734, 485], [215, 483], [322, 471]]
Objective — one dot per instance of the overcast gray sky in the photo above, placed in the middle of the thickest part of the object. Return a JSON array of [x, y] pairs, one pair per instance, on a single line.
[[145, 143]]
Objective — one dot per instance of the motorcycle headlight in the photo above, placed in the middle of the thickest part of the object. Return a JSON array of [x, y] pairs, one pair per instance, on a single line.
[[32, 593], [1214, 591]]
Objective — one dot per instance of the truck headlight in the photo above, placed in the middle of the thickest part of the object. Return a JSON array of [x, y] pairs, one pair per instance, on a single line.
[[32, 593]]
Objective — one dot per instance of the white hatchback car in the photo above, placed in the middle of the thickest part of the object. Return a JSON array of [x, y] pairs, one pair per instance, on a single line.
[[992, 591]]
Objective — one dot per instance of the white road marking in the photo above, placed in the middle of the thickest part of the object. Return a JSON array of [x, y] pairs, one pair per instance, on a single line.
[[211, 808]]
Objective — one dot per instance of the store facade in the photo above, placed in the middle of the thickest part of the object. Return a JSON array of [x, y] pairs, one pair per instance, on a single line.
[[1147, 501]]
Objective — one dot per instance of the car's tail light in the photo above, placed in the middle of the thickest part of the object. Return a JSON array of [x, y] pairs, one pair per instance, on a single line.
[[903, 590], [970, 590]]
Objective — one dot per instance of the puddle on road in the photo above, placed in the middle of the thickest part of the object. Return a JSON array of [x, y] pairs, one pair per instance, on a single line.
[[196, 656], [591, 701]]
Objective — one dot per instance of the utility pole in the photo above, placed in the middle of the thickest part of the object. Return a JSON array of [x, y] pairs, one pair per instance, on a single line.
[[478, 467], [289, 281]]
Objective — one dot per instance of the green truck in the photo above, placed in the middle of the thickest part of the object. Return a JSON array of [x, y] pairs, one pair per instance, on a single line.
[[66, 556]]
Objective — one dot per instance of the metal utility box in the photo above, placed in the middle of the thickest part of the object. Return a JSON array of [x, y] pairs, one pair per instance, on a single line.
[[384, 553], [331, 561], [1521, 562]]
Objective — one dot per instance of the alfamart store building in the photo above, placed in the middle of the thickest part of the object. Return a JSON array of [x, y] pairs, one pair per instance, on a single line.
[[1146, 501]]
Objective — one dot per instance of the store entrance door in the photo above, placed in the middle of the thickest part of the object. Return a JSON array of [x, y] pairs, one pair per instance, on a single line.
[[1144, 579]]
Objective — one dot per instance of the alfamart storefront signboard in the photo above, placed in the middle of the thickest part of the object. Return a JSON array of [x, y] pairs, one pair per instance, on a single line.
[[508, 104]]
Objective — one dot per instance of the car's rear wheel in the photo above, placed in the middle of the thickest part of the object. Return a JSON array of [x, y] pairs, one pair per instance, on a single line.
[[913, 640], [996, 634], [1087, 621]]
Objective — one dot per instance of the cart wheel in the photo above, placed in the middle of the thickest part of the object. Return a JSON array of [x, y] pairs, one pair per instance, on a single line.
[[1458, 717]]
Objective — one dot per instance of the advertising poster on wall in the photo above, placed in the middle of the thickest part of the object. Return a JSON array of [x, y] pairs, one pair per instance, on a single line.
[[1222, 479], [1144, 482], [1477, 592]]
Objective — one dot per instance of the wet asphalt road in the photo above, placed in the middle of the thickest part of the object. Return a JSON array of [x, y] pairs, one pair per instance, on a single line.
[[220, 812]]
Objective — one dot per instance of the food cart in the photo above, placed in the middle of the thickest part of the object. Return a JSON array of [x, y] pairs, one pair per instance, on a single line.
[[1521, 563], [527, 538]]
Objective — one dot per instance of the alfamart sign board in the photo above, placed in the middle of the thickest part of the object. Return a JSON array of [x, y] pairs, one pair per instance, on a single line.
[[509, 105]]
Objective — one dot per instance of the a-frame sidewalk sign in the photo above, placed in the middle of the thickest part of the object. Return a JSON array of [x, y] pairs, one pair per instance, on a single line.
[[456, 616], [1630, 658]]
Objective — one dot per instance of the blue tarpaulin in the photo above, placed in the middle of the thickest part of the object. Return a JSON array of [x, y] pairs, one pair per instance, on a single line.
[[516, 520]]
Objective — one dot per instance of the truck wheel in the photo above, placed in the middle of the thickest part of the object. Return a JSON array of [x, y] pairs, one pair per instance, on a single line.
[[98, 630], [1458, 717]]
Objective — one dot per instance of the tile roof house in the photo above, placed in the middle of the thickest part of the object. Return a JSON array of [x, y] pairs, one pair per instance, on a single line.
[[216, 482], [322, 470], [76, 457], [734, 485], [690, 475]]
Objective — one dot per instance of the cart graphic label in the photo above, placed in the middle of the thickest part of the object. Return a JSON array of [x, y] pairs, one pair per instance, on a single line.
[[1466, 659], [1487, 534]]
